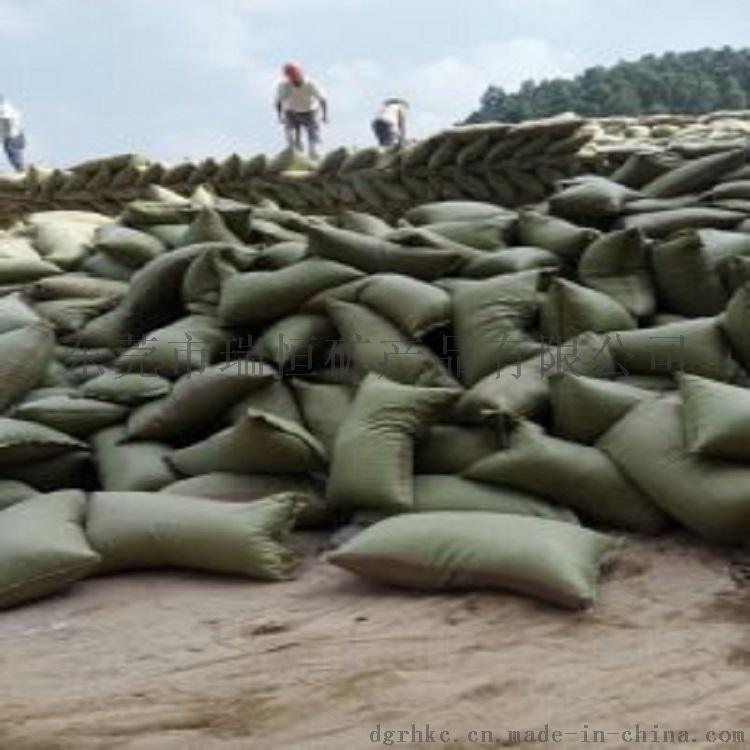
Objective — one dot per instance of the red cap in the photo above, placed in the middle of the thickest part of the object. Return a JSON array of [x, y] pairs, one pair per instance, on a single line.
[[293, 72]]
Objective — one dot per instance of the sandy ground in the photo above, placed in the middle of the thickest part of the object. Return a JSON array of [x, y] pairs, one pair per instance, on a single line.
[[170, 660]]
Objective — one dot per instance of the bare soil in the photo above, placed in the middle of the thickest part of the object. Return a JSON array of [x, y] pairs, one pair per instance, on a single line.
[[171, 660]]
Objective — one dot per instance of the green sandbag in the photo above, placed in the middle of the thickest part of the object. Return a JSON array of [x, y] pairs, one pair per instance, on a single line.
[[94, 360], [441, 492], [522, 389], [159, 193], [376, 346], [421, 238], [734, 273], [550, 560], [260, 443], [43, 549], [617, 264], [154, 300], [735, 323], [276, 399], [324, 408], [79, 417], [283, 254], [19, 262], [294, 342], [348, 292], [68, 316], [71, 469], [130, 390], [292, 220], [74, 285], [191, 343], [734, 189], [657, 383], [170, 235], [493, 322], [584, 408], [372, 462], [25, 354], [199, 401], [64, 243], [209, 226], [263, 232], [695, 175], [23, 441], [686, 269], [103, 267], [488, 234], [364, 223], [15, 314], [145, 213], [127, 246], [590, 200], [13, 492], [642, 168], [557, 235], [435, 213], [313, 511], [451, 448], [130, 467], [695, 346], [716, 417], [266, 295], [374, 255], [413, 306], [663, 223], [218, 261], [653, 205], [510, 260], [570, 309], [708, 496], [578, 476], [146, 530]]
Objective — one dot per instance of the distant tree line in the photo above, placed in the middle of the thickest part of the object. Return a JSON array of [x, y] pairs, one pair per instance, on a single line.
[[680, 83]]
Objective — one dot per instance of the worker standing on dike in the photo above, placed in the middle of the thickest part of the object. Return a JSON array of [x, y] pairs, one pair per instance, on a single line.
[[11, 134], [389, 124], [300, 102]]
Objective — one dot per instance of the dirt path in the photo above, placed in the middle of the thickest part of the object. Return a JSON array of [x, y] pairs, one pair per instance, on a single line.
[[145, 662]]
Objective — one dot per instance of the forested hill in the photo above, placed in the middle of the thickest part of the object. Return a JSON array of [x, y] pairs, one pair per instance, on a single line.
[[679, 83]]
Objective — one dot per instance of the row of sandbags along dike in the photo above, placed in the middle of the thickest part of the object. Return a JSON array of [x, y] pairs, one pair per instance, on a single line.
[[477, 396]]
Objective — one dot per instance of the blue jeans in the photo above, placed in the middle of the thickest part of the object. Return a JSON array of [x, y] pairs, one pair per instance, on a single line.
[[296, 122], [14, 147], [385, 132]]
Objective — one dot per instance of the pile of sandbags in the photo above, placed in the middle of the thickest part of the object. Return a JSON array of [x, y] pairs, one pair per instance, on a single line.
[[491, 397]]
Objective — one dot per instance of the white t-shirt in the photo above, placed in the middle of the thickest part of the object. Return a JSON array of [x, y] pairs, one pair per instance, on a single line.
[[392, 113], [10, 120], [303, 98]]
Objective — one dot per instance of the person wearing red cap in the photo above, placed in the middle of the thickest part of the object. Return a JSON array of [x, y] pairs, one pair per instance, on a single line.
[[299, 101]]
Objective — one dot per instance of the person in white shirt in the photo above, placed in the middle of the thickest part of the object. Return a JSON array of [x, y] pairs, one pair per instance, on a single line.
[[11, 134], [299, 102], [389, 124]]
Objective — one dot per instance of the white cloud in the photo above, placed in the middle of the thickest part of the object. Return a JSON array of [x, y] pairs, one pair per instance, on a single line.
[[287, 6], [16, 18]]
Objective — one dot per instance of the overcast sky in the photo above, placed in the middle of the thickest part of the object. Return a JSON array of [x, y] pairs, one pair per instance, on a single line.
[[192, 78]]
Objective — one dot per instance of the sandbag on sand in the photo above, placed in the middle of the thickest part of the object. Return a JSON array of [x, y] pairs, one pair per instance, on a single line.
[[313, 511], [553, 561], [42, 547], [146, 530]]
